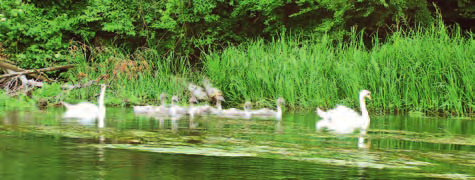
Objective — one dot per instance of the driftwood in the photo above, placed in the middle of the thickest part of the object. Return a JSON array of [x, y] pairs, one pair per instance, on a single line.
[[6, 66], [64, 86], [6, 60], [24, 72], [14, 76]]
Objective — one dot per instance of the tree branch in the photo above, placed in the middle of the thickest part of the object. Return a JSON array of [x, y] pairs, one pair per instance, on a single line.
[[33, 71]]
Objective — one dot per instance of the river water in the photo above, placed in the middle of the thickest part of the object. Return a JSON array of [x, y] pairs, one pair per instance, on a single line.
[[39, 145]]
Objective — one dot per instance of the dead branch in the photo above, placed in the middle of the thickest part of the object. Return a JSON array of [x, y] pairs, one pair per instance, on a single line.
[[6, 60], [24, 72], [5, 65]]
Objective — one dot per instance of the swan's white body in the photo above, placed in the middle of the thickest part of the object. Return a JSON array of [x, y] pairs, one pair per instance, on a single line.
[[197, 91], [219, 108], [175, 110], [192, 110], [86, 111], [142, 109], [343, 120], [236, 113], [162, 109], [210, 90], [265, 112]]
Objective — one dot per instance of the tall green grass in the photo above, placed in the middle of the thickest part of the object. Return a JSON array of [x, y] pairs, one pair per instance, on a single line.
[[422, 70], [427, 70], [136, 78]]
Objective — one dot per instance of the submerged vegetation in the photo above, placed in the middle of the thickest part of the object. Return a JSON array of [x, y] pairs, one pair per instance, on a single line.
[[414, 145]]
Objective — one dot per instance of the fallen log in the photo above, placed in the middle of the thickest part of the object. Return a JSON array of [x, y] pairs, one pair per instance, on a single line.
[[33, 71], [5, 65], [6, 60]]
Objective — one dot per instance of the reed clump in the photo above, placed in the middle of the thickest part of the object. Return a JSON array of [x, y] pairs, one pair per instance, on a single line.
[[135, 78], [428, 70], [421, 70]]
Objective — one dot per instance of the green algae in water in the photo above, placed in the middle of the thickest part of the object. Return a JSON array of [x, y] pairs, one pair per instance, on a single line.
[[414, 146]]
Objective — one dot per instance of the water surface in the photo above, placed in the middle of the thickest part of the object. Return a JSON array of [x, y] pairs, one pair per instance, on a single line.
[[40, 144]]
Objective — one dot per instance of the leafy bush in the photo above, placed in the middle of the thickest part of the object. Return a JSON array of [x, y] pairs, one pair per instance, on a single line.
[[38, 33]]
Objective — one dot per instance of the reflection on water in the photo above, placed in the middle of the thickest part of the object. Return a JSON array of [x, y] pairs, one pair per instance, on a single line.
[[43, 158], [395, 146]]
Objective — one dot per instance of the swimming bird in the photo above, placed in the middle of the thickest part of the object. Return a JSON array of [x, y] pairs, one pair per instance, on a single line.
[[210, 90], [175, 110], [265, 112], [343, 120], [142, 109], [219, 108], [87, 111], [162, 109], [191, 108], [236, 113], [197, 91]]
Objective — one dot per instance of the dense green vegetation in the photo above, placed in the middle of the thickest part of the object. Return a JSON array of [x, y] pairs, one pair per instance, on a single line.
[[37, 33], [312, 53], [420, 70], [416, 70]]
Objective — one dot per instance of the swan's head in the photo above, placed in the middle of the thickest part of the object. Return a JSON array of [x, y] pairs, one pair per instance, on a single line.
[[281, 100], [219, 98], [193, 100], [163, 95], [321, 113], [247, 105], [103, 86], [175, 99], [191, 87], [365, 94], [323, 124]]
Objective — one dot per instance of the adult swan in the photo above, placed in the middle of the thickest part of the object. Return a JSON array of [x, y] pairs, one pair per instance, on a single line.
[[343, 120], [87, 111]]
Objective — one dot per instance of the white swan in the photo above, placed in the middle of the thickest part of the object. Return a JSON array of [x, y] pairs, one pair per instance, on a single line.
[[200, 109], [142, 109], [197, 91], [191, 109], [175, 110], [264, 112], [162, 109], [343, 120], [219, 108], [236, 113], [210, 90], [153, 109], [86, 111]]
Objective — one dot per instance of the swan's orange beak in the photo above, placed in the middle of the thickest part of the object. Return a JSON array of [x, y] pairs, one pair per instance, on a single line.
[[369, 97]]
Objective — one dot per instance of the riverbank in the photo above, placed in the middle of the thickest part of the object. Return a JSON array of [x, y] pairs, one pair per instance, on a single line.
[[429, 71]]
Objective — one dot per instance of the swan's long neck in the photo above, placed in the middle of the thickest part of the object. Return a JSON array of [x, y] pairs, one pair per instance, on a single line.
[[102, 108], [278, 114], [172, 109], [218, 104], [364, 114], [66, 105], [162, 101], [247, 112], [191, 110]]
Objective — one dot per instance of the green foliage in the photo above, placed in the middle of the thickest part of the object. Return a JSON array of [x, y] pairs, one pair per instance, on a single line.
[[20, 102], [134, 79], [50, 92], [420, 70], [38, 33]]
